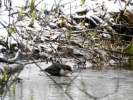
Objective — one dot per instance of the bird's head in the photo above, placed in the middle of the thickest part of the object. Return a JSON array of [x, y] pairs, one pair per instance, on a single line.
[[67, 67]]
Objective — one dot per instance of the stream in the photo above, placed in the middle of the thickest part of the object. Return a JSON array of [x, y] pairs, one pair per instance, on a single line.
[[90, 84]]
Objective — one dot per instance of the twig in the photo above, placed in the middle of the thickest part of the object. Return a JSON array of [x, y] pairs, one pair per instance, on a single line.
[[54, 81], [126, 5], [125, 53], [73, 80]]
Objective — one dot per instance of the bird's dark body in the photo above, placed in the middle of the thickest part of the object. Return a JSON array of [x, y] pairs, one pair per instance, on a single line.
[[55, 69]]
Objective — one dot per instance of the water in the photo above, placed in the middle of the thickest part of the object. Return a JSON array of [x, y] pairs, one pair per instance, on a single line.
[[90, 84]]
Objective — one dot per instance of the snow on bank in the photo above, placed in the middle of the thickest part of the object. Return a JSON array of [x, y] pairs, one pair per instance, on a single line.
[[108, 5]]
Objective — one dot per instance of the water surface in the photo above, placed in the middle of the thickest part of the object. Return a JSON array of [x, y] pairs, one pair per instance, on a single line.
[[90, 84]]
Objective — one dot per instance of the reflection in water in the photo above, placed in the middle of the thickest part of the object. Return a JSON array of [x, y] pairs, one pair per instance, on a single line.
[[37, 88], [88, 85]]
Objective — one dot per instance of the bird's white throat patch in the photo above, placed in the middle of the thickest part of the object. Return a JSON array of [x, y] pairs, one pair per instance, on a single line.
[[63, 72]]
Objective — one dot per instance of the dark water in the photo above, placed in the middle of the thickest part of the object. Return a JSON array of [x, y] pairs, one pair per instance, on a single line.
[[90, 84]]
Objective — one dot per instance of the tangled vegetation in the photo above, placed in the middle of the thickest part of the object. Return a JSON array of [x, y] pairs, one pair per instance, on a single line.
[[92, 35]]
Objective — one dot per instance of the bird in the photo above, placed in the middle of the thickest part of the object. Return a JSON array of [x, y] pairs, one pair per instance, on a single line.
[[57, 69]]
